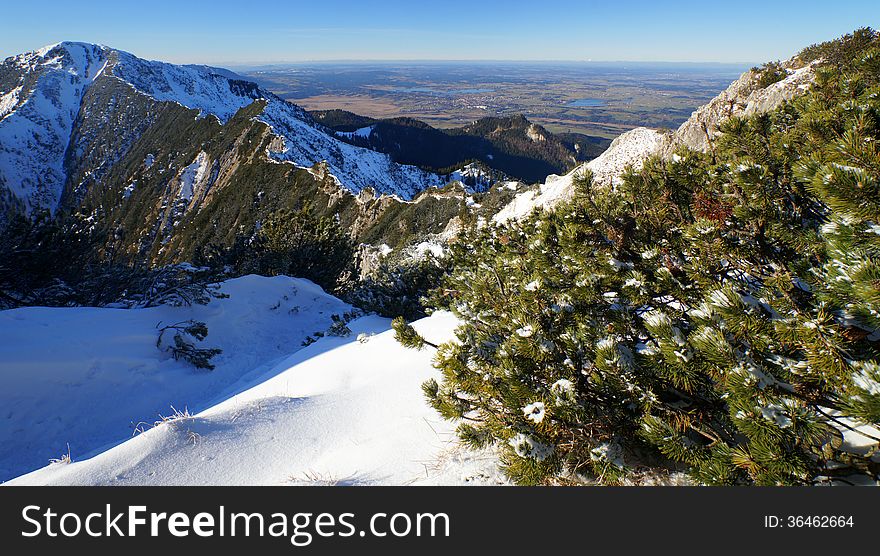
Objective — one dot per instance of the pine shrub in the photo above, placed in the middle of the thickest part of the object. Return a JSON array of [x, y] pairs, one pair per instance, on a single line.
[[715, 315], [297, 243]]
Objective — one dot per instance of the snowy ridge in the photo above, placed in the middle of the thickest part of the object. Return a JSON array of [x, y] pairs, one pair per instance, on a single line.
[[356, 168], [629, 149], [547, 195], [363, 132], [38, 114], [211, 91], [206, 89]]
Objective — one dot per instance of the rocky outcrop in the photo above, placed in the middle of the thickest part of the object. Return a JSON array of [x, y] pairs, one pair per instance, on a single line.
[[629, 149], [743, 97]]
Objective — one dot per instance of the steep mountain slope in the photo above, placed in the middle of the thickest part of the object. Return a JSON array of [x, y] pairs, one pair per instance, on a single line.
[[513, 145], [164, 160], [191, 182], [40, 95], [743, 97], [50, 116]]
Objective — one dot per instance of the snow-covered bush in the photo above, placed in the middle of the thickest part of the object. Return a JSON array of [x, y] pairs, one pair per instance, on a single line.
[[182, 344], [58, 261], [175, 285]]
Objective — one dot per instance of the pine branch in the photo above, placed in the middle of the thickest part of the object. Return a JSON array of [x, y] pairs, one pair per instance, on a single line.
[[837, 421]]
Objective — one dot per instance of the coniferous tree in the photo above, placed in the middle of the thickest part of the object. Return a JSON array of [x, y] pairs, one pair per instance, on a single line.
[[297, 243]]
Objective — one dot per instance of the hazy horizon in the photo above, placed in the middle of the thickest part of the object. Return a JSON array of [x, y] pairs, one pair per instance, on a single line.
[[220, 33], [257, 66]]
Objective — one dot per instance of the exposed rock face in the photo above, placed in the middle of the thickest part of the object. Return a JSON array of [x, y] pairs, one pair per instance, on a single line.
[[534, 133], [629, 149], [742, 98]]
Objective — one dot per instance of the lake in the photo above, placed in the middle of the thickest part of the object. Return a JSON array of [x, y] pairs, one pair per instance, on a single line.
[[587, 103]]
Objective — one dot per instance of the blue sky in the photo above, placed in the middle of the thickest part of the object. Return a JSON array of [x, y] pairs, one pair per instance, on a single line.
[[243, 32]]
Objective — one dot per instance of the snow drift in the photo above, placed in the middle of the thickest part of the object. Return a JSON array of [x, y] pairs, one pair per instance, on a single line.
[[343, 410]]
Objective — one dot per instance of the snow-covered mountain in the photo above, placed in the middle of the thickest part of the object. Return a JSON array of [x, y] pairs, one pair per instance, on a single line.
[[44, 106]]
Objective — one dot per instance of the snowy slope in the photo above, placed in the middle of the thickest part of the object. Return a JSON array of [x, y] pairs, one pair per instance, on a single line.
[[36, 119], [344, 410], [356, 168], [206, 89], [88, 376], [41, 93], [341, 411]]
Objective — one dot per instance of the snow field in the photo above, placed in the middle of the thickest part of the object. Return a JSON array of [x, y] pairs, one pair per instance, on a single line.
[[342, 411]]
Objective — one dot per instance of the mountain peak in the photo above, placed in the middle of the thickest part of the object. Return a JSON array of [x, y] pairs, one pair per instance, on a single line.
[[41, 98], [71, 57]]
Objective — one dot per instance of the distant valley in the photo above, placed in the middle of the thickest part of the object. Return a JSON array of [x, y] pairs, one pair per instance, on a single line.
[[595, 99]]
